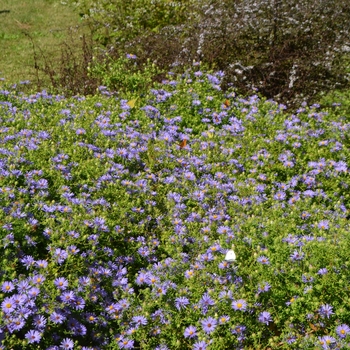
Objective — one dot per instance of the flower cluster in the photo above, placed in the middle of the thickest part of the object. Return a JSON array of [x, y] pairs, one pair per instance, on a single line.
[[191, 218]]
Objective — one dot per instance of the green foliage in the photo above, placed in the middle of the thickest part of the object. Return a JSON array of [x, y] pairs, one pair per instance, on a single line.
[[123, 74], [118, 21]]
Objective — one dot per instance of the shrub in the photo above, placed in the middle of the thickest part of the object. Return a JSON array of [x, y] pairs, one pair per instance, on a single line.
[[290, 50]]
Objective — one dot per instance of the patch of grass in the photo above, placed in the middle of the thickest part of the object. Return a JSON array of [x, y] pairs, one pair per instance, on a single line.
[[41, 23]]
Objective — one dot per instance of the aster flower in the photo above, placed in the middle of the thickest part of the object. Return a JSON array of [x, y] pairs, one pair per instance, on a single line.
[[324, 224], [297, 256], [38, 279], [265, 317], [139, 320], [326, 341], [68, 297], [41, 264], [61, 283], [322, 271], [126, 344], [209, 324], [190, 332], [60, 255], [240, 305], [206, 301], [7, 287], [39, 321], [264, 287], [201, 345], [33, 336], [189, 273], [263, 260], [28, 261], [67, 344], [326, 311], [181, 302], [16, 324], [239, 330], [8, 305], [57, 317], [343, 330], [223, 319]]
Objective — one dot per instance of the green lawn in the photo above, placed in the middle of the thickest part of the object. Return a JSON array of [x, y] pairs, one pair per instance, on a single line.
[[42, 22]]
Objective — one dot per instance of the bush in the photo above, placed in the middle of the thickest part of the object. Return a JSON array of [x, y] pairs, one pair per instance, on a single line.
[[290, 50]]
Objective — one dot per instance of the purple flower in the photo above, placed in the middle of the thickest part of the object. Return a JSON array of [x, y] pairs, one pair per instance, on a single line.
[[126, 344], [201, 345], [297, 256], [263, 287], [141, 278], [343, 330], [265, 317], [39, 321], [16, 324], [206, 301], [60, 255], [280, 195], [33, 292], [322, 271], [325, 341], [223, 319], [8, 305], [340, 167], [33, 336], [131, 56], [68, 297], [28, 261], [263, 260], [326, 311], [190, 332], [19, 299], [67, 343], [61, 283], [190, 176], [38, 279], [7, 287], [324, 224], [189, 273], [41, 264], [239, 330], [57, 317], [290, 339], [139, 320], [209, 325], [80, 131], [181, 302], [239, 305]]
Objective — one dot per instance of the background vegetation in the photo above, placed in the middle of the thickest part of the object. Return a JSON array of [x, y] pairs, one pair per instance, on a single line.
[[32, 36], [289, 50]]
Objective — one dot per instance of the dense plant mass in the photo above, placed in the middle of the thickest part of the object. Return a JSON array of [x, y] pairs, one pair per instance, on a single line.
[[186, 218], [291, 50]]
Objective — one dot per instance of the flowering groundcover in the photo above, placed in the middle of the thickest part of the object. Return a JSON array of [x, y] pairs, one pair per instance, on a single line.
[[117, 213]]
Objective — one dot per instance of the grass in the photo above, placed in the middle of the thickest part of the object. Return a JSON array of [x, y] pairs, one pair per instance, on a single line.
[[43, 23]]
